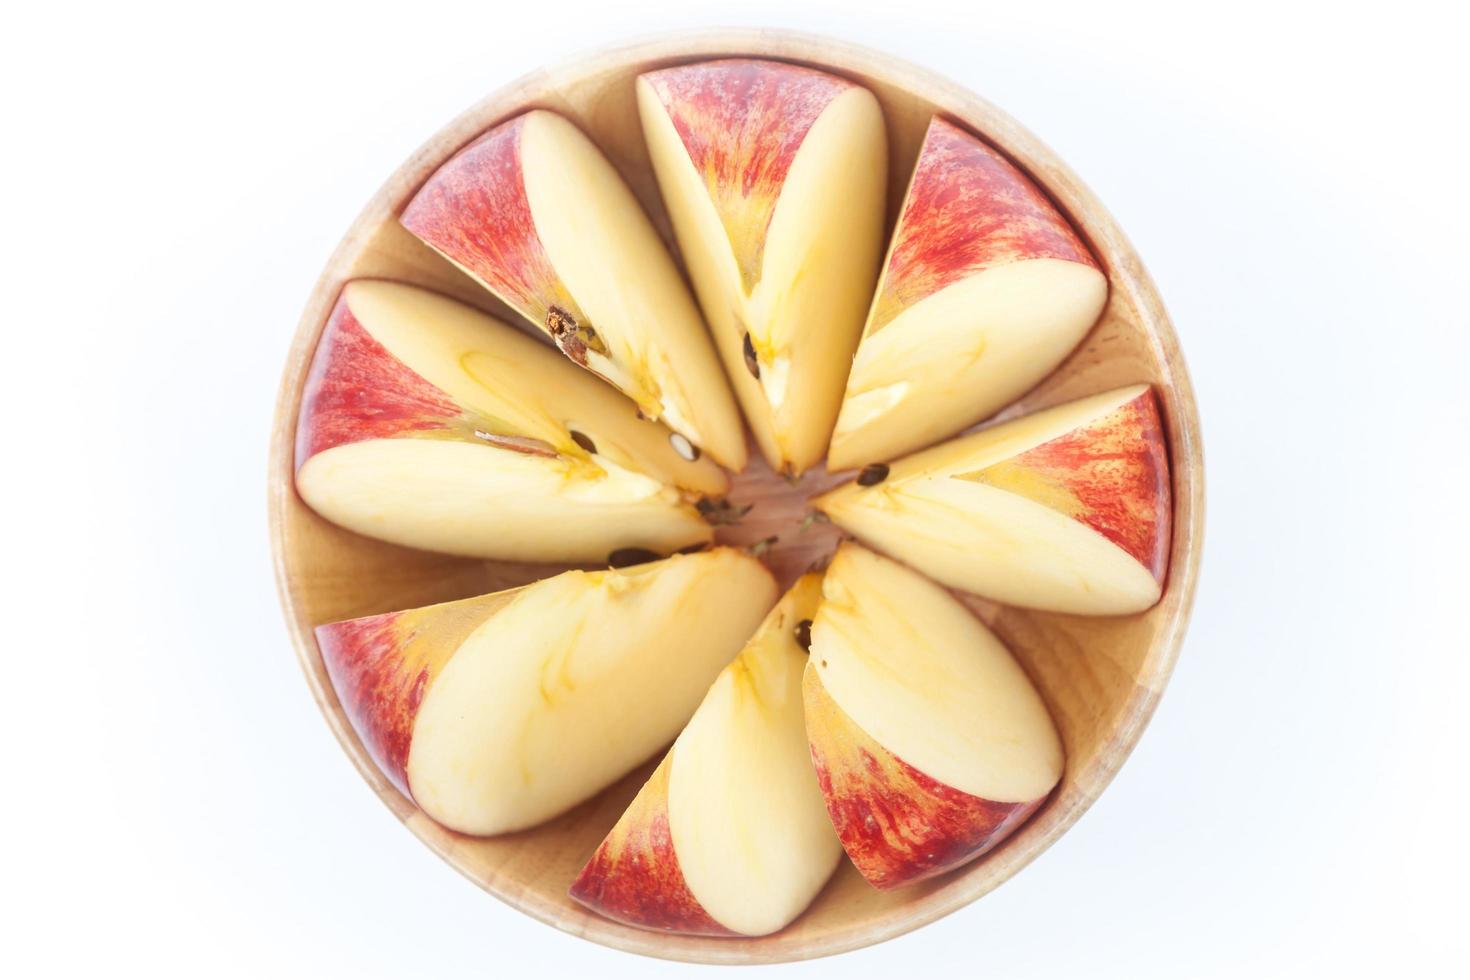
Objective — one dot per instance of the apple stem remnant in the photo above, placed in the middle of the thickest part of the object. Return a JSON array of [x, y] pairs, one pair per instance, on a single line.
[[812, 517], [721, 513], [573, 338], [762, 546], [518, 444]]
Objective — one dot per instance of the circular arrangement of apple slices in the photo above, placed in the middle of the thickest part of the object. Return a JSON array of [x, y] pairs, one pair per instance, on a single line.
[[866, 710]]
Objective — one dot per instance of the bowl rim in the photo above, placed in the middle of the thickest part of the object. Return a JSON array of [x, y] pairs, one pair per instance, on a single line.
[[1125, 273]]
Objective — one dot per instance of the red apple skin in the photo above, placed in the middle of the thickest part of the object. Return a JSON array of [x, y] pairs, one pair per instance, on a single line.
[[1111, 474], [967, 209], [381, 667], [357, 390], [474, 210], [897, 825], [634, 876], [380, 688], [742, 122]]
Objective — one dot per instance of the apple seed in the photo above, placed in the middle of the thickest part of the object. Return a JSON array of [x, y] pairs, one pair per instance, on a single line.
[[583, 440], [623, 557], [873, 473], [683, 446], [751, 364], [804, 634]]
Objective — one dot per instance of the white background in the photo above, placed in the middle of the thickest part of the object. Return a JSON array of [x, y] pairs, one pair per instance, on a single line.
[[175, 176]]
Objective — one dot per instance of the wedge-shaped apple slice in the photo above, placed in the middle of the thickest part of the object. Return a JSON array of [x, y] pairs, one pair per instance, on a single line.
[[1066, 510], [775, 178], [729, 836], [429, 424], [985, 290], [930, 743], [536, 213], [498, 712]]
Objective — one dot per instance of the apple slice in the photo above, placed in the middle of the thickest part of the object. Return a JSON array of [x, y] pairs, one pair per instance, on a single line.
[[1066, 510], [775, 177], [429, 424], [498, 712], [536, 213], [930, 744], [729, 836], [985, 290]]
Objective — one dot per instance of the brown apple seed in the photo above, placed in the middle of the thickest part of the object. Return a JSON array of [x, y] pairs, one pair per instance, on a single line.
[[804, 634], [583, 440], [623, 557], [751, 364]]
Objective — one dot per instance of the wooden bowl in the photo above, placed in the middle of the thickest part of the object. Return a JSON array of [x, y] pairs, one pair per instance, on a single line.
[[1101, 677]]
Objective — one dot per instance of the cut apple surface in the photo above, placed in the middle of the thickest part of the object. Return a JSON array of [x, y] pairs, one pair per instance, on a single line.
[[1066, 510], [868, 711], [536, 213], [775, 178], [730, 836], [929, 741], [985, 290], [498, 712], [429, 424]]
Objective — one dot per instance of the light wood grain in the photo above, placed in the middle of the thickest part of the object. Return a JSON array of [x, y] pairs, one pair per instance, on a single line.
[[1101, 677]]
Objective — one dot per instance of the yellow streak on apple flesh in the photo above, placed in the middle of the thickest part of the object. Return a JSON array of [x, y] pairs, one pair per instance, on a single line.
[[461, 498], [550, 700], [749, 826], [495, 370], [804, 311], [611, 259], [932, 514], [927, 681], [961, 354]]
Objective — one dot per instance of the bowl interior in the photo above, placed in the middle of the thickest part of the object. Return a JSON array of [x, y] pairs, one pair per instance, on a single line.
[[1101, 677]]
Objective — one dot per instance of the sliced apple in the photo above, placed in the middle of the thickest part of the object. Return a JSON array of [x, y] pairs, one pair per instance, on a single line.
[[729, 836], [1066, 510], [429, 424], [498, 712], [536, 213], [930, 743], [775, 178], [985, 290]]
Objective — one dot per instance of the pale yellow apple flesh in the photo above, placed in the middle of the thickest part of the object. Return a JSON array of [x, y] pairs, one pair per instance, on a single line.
[[960, 355], [799, 286], [612, 261], [431, 425], [561, 689], [868, 711], [748, 842], [477, 501], [501, 373], [910, 702], [747, 817], [985, 289], [929, 682], [1065, 510]]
